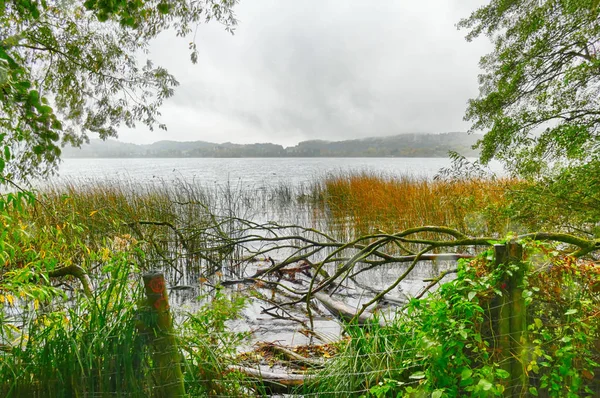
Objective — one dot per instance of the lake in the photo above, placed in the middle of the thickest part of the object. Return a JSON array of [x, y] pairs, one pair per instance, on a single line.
[[245, 171]]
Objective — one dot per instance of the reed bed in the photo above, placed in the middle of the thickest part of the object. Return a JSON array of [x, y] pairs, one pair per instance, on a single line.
[[167, 215], [366, 202]]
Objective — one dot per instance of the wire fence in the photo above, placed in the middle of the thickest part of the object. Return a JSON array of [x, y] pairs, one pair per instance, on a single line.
[[510, 347]]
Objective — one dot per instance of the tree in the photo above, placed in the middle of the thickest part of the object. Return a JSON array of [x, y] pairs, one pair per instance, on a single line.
[[539, 99], [70, 68]]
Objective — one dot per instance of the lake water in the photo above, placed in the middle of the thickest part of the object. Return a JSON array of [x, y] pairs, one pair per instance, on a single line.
[[245, 171]]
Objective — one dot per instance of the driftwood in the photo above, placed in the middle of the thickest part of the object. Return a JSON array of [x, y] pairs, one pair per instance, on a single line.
[[292, 356], [318, 335], [275, 382], [282, 273], [342, 310]]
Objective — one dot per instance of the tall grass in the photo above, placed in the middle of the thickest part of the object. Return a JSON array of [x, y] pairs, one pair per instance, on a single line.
[[367, 202], [101, 346], [80, 348], [367, 356]]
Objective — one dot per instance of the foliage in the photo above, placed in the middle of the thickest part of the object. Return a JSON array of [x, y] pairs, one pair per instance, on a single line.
[[211, 346], [77, 346], [567, 200], [538, 99], [54, 340], [564, 326], [72, 68], [445, 345], [367, 357]]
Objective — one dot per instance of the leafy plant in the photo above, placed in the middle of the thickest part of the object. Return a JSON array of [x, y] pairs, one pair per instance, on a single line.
[[447, 344]]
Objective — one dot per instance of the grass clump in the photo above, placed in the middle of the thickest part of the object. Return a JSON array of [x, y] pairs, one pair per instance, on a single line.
[[100, 346], [79, 346], [59, 341], [366, 202]]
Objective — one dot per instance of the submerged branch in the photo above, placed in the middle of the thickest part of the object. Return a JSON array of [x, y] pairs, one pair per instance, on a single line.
[[77, 272], [434, 282]]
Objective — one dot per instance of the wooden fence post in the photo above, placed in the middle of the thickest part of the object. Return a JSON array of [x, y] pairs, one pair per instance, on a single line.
[[166, 357], [512, 321], [503, 313]]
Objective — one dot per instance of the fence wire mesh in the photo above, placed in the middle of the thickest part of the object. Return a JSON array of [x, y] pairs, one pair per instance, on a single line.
[[109, 347]]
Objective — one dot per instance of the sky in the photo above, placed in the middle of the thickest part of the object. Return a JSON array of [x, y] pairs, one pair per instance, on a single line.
[[321, 69]]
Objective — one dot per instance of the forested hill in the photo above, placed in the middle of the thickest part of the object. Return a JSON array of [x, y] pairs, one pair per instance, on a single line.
[[404, 145]]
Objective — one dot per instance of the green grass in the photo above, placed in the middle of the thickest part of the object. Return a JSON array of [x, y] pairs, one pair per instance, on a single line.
[[368, 355]]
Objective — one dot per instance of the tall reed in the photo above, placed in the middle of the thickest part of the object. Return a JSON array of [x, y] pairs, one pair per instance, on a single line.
[[367, 202]]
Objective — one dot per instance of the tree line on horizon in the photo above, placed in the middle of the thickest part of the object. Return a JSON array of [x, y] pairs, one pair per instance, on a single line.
[[403, 145]]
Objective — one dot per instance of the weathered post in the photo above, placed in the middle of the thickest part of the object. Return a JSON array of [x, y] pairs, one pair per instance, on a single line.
[[503, 313], [166, 357], [512, 319], [518, 321]]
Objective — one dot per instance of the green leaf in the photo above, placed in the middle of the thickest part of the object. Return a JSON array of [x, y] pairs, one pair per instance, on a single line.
[[102, 16], [471, 295], [24, 85], [89, 4], [45, 110], [466, 373], [34, 96], [571, 311], [437, 394], [56, 124], [417, 376], [485, 385], [163, 8], [503, 374], [533, 391]]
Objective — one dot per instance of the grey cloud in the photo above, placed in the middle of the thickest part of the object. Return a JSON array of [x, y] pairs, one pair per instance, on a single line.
[[322, 69]]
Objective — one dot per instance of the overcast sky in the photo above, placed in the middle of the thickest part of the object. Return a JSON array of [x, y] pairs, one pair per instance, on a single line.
[[321, 69]]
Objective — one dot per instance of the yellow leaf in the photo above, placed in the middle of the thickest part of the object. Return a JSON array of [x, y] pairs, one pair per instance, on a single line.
[[93, 212], [10, 299]]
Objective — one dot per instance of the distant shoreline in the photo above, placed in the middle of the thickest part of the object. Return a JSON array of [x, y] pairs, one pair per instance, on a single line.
[[259, 157], [398, 146]]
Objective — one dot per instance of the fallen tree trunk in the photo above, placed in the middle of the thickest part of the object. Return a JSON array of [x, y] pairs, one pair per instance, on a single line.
[[288, 379], [343, 311], [277, 383]]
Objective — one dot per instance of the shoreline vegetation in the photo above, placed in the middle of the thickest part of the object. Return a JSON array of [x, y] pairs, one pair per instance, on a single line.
[[295, 270], [403, 145], [464, 285]]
